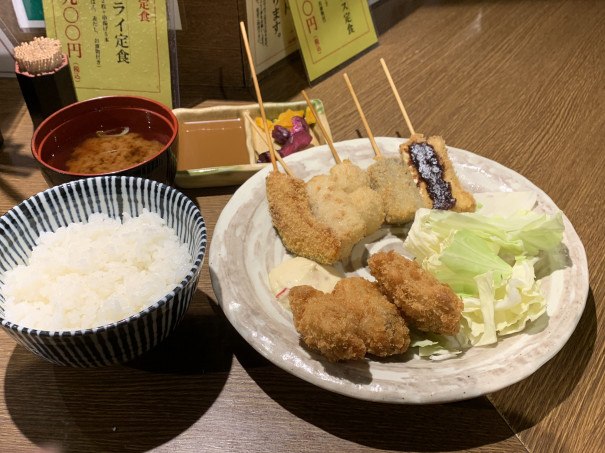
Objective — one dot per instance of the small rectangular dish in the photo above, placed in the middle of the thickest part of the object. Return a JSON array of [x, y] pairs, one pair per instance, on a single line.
[[221, 145]]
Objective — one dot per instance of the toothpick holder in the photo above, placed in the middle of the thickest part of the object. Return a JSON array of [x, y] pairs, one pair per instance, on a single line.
[[48, 92]]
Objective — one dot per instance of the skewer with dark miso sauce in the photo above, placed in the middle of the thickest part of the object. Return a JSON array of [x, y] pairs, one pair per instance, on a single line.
[[430, 166]]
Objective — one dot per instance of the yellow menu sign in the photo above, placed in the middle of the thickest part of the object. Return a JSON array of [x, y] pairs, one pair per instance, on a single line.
[[114, 46], [270, 31], [330, 32]]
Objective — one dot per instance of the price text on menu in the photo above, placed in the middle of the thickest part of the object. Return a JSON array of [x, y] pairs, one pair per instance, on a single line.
[[114, 46], [331, 32]]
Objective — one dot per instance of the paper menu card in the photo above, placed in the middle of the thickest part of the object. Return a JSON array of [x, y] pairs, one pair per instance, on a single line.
[[331, 32], [114, 46], [271, 32]]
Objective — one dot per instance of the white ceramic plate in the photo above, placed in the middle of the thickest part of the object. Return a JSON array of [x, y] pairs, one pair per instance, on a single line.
[[245, 247]]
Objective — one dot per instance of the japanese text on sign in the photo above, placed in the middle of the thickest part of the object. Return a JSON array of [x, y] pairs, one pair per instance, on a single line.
[[114, 46], [271, 31], [331, 32]]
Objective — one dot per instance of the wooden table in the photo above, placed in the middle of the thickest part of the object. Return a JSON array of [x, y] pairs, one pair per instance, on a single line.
[[522, 83]]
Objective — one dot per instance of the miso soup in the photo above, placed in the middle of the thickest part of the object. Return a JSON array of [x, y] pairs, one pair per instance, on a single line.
[[109, 153]]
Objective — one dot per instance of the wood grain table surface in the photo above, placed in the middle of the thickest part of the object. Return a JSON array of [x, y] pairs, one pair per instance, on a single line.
[[519, 82]]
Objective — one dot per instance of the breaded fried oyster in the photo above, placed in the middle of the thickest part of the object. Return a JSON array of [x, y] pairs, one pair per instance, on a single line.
[[352, 321], [425, 302]]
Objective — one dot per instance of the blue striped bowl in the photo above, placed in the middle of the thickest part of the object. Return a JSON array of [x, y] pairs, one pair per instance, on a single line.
[[75, 201]]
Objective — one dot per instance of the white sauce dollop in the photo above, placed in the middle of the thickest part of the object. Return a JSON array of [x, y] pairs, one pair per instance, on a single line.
[[301, 271]]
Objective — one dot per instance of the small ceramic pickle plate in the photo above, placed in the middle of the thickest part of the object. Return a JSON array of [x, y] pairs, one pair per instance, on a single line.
[[220, 145]]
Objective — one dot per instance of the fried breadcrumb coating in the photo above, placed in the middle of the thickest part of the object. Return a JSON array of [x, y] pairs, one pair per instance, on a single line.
[[344, 200], [392, 180], [425, 302], [356, 183], [465, 202], [368, 204], [332, 206], [348, 176], [301, 233], [352, 321]]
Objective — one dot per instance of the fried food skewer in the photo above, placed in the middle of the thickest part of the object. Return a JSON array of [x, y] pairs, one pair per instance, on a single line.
[[434, 174], [390, 179], [343, 199], [429, 164], [300, 231]]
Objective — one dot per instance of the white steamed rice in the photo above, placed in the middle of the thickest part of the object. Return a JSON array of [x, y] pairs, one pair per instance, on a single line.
[[90, 274]]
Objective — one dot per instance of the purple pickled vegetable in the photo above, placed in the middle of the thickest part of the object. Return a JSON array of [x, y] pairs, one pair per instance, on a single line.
[[280, 134], [263, 158], [299, 140], [299, 125], [291, 142]]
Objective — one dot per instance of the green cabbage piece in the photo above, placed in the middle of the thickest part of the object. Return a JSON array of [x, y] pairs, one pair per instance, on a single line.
[[489, 262]]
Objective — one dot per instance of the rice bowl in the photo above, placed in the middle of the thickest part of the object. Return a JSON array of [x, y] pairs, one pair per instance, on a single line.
[[113, 196]]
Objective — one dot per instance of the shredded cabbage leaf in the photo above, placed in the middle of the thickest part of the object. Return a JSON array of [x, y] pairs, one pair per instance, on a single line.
[[488, 258]]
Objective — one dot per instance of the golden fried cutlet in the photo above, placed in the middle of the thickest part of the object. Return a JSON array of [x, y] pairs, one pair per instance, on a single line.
[[332, 206], [348, 176], [301, 233], [352, 321], [391, 179], [434, 174], [425, 302], [355, 183], [368, 204]]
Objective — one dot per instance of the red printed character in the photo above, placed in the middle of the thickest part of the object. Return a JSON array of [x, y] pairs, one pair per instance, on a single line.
[[76, 72], [74, 49], [317, 45], [311, 22]]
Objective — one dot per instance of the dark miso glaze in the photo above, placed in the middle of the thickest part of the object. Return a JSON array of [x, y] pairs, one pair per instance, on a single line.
[[426, 161]]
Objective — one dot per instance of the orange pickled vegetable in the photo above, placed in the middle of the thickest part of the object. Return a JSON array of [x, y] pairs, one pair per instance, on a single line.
[[285, 119], [259, 122], [309, 117]]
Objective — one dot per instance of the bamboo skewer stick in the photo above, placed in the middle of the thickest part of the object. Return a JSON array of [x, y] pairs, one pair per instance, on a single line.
[[255, 128], [283, 164], [401, 107], [264, 139], [363, 117], [321, 126], [258, 95]]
